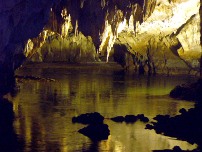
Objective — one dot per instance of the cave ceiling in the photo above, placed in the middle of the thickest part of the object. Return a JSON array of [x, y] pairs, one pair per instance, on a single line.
[[91, 15]]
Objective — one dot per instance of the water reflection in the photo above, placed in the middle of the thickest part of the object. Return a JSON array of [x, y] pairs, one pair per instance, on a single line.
[[44, 109]]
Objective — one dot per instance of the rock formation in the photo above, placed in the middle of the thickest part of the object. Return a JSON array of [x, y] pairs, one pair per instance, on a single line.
[[164, 34]]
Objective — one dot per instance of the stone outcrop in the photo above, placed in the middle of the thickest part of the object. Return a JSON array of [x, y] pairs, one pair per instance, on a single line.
[[82, 24], [188, 91], [130, 118], [89, 118], [185, 126], [96, 129], [168, 40], [54, 48]]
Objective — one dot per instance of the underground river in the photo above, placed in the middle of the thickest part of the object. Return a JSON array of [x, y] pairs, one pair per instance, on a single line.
[[44, 109]]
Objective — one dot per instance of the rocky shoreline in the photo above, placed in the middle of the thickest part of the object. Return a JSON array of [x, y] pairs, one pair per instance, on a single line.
[[186, 126]]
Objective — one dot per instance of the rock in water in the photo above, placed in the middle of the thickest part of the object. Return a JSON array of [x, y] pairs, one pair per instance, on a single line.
[[188, 91], [142, 118], [89, 118], [130, 118], [96, 132], [118, 119]]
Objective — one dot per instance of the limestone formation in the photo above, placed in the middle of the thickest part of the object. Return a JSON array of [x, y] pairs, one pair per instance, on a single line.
[[165, 33]]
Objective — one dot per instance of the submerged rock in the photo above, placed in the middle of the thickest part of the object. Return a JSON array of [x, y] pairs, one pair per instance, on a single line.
[[161, 118], [89, 118], [130, 118], [186, 126], [96, 131], [149, 126], [142, 118], [118, 119]]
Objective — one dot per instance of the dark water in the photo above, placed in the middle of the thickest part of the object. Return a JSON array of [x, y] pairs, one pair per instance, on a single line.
[[44, 109]]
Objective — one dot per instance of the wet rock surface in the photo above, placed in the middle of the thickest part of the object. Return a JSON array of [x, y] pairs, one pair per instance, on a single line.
[[186, 126], [89, 118], [118, 119], [130, 118], [96, 130], [191, 91]]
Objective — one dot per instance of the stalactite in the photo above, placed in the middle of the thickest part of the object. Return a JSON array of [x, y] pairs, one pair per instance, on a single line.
[[76, 32], [28, 47], [82, 3], [67, 23], [103, 17], [103, 3]]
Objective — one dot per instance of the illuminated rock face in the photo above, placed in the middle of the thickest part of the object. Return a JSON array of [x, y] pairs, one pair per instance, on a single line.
[[169, 39], [72, 49], [160, 35], [58, 42], [98, 19]]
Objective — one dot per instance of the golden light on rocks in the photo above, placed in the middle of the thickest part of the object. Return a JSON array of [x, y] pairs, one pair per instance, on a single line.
[[108, 37], [165, 22], [67, 23]]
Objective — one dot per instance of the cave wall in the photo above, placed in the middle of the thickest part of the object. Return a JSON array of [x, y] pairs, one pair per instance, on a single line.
[[68, 18], [19, 21], [60, 42], [169, 39], [71, 49], [164, 32]]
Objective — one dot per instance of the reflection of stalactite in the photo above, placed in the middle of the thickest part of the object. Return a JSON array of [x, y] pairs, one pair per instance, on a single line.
[[119, 15]]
